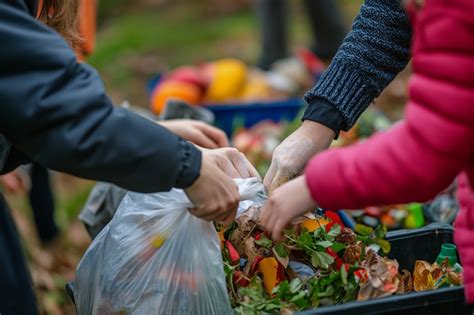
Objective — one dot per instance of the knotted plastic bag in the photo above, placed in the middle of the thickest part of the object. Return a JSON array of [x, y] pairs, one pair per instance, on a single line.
[[154, 257]]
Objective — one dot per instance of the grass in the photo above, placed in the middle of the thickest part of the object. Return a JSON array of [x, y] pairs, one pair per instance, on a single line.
[[167, 39], [132, 47]]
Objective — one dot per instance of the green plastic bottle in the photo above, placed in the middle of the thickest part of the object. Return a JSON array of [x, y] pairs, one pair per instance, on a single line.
[[448, 250]]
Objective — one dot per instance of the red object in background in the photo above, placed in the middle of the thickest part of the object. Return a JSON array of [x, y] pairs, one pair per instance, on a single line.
[[373, 211], [188, 75], [311, 61]]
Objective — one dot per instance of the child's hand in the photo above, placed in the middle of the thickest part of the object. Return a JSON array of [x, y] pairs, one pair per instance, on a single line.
[[286, 203]]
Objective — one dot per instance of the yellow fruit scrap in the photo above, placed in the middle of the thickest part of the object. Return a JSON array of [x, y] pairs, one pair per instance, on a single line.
[[314, 224], [272, 273]]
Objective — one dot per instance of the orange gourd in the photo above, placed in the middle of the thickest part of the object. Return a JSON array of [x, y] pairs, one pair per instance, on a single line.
[[167, 90]]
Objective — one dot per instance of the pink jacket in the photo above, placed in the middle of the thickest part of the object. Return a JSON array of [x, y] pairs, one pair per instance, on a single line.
[[422, 155]]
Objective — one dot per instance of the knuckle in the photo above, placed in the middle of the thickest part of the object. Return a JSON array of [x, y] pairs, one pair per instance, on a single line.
[[233, 152]]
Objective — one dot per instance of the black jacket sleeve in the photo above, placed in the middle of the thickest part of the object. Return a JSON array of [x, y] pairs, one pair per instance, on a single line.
[[55, 112]]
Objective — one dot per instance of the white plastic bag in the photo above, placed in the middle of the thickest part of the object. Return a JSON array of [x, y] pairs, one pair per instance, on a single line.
[[154, 257]]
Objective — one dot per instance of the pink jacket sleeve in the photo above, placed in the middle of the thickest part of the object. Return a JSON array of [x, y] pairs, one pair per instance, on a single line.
[[422, 155]]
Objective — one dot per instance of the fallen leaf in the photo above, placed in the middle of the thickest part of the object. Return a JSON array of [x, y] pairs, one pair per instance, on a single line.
[[250, 250]]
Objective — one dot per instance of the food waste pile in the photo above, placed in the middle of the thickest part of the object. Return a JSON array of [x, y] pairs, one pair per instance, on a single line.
[[320, 263]]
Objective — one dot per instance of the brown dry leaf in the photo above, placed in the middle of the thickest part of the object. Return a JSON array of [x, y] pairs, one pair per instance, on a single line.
[[287, 311], [250, 250], [444, 264], [248, 220], [436, 272], [383, 279], [455, 277], [304, 217], [236, 238], [420, 275], [353, 253], [406, 283]]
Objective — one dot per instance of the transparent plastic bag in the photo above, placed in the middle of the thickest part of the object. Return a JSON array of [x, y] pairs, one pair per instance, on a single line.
[[154, 257]]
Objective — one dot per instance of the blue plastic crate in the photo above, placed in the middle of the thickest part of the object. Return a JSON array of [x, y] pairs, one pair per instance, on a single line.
[[230, 116]]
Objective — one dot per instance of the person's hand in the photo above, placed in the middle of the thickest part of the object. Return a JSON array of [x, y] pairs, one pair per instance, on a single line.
[[13, 182], [285, 204], [214, 194], [197, 132], [291, 156], [232, 162]]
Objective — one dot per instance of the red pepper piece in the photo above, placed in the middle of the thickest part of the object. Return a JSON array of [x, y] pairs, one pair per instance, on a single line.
[[331, 253], [361, 274], [329, 226], [240, 279], [258, 235], [255, 264], [346, 266], [334, 218], [233, 254]]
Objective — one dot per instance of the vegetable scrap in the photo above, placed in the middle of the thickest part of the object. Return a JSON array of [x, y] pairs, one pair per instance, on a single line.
[[320, 263]]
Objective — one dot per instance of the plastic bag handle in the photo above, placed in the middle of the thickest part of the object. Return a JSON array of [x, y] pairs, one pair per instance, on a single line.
[[249, 188]]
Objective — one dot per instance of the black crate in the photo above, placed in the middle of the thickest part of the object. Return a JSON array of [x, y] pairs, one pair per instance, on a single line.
[[407, 247]]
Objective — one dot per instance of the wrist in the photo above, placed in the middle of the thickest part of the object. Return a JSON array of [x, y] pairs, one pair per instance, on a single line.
[[318, 132]]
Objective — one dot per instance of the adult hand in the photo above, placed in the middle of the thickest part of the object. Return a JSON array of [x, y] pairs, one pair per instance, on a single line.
[[214, 194], [291, 156], [285, 204], [197, 132], [232, 162]]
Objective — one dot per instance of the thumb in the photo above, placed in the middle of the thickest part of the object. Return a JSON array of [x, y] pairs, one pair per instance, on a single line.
[[279, 179], [268, 180]]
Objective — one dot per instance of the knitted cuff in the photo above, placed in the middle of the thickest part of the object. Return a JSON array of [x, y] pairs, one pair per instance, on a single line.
[[344, 87]]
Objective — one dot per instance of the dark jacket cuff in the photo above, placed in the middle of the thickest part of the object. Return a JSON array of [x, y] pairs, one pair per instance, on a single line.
[[14, 159], [324, 112], [191, 165]]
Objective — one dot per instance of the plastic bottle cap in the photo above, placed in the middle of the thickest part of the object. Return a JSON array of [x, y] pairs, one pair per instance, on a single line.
[[448, 250]]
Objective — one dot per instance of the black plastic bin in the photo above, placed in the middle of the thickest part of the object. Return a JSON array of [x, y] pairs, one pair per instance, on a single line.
[[407, 247]]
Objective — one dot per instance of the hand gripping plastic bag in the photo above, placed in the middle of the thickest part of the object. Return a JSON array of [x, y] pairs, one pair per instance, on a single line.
[[154, 257]]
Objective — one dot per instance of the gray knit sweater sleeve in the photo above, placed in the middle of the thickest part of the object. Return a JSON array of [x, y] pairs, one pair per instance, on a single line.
[[370, 57]]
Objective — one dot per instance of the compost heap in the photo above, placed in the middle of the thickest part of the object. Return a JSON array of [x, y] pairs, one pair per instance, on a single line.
[[320, 263]]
